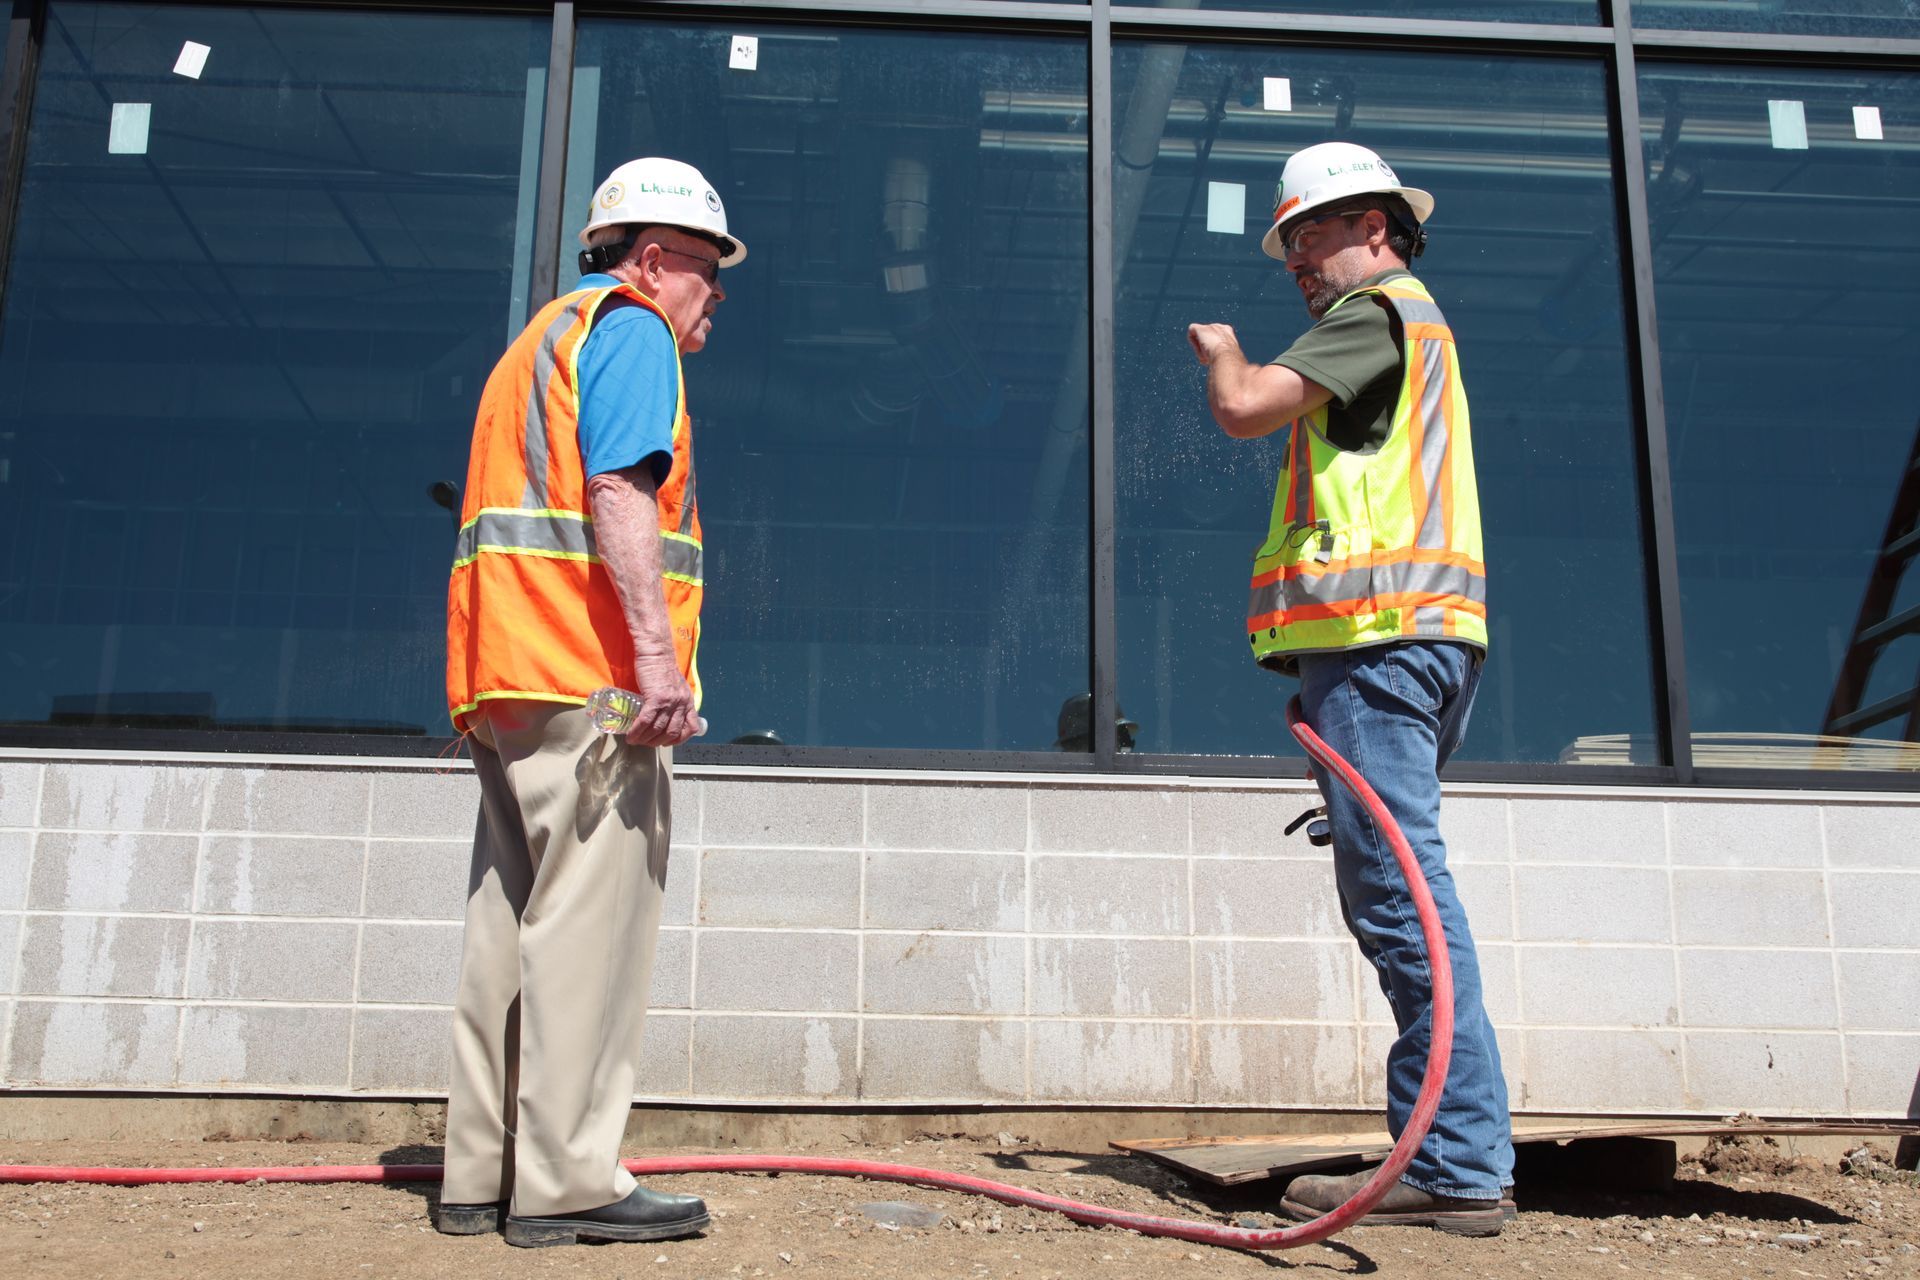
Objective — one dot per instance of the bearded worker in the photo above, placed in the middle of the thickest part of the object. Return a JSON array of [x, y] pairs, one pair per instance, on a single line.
[[1371, 589]]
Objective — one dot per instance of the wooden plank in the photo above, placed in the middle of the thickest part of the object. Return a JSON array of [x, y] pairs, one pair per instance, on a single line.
[[1228, 1161]]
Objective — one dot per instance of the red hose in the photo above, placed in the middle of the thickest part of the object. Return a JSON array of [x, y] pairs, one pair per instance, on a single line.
[[1377, 1186]]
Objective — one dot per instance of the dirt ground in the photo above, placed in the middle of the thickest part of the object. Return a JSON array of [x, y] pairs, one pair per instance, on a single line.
[[1744, 1208]]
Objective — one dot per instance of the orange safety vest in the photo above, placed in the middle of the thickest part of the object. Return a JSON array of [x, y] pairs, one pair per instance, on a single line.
[[1370, 548], [531, 609]]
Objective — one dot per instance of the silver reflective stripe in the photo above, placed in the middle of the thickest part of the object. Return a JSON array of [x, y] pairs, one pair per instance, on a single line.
[[524, 531], [1300, 458], [1433, 441], [681, 558], [1429, 620], [1416, 310], [687, 492], [535, 426], [1367, 583]]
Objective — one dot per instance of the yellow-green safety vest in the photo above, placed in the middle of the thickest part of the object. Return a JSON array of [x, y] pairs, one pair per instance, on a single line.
[[1366, 548]]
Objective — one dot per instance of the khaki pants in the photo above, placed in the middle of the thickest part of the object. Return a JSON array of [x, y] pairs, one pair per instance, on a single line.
[[563, 911]]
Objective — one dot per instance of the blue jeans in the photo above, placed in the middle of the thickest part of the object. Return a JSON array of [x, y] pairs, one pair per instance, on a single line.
[[1396, 712]]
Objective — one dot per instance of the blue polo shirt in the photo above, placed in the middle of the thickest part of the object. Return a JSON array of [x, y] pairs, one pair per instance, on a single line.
[[629, 389]]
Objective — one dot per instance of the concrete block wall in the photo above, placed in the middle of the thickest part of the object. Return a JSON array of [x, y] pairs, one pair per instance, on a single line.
[[205, 925]]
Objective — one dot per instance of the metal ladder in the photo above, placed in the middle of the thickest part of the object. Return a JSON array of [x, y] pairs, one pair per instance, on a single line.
[[1877, 626]]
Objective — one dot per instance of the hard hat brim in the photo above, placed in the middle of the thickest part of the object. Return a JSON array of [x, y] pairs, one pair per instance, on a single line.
[[1418, 201]]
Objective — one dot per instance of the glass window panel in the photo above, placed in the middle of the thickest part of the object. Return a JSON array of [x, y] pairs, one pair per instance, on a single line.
[[891, 413], [1883, 18], [1524, 263], [1784, 274], [247, 319], [1582, 13]]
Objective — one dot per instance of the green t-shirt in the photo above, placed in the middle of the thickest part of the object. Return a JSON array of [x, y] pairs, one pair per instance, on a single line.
[[1355, 351]]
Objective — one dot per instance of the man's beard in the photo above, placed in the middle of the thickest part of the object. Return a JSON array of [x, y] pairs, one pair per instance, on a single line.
[[1327, 286]]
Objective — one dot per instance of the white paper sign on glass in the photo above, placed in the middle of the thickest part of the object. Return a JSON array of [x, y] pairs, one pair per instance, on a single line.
[[192, 60], [1227, 208], [1866, 123], [1279, 93], [746, 53], [1787, 118], [127, 128]]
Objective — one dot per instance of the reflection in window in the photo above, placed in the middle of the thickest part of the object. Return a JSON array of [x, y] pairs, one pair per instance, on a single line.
[[1567, 12], [891, 415], [1788, 289], [1524, 263], [253, 295], [1885, 19]]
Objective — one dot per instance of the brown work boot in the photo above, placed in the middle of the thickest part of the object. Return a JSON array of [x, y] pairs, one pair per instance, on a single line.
[[1314, 1195]]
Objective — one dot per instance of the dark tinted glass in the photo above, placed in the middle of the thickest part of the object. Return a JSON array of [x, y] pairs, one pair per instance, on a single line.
[[891, 413], [1524, 263], [1885, 18], [247, 317], [1788, 287], [1584, 13]]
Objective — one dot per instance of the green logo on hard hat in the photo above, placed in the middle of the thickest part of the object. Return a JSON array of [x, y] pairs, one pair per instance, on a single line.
[[713, 201], [654, 188]]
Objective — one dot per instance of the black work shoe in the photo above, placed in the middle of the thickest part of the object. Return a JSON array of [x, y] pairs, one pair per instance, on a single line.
[[468, 1219], [1314, 1195], [643, 1215]]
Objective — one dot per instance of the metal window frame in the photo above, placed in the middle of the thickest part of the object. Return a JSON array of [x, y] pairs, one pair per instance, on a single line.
[[1611, 41]]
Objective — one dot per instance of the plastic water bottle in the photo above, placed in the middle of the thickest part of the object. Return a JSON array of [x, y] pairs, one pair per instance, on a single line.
[[614, 710]]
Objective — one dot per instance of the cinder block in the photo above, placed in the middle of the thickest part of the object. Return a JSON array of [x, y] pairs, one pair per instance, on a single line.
[[1278, 898], [1141, 1062], [1882, 1073], [665, 1051], [1499, 981], [283, 876], [19, 793], [97, 871], [932, 815], [1107, 977], [1758, 989], [1750, 908], [1591, 904], [122, 797], [318, 802], [1765, 1072], [16, 853], [1724, 833], [760, 1057], [1602, 831], [689, 803], [426, 805], [1109, 820], [780, 888], [1276, 1066], [1298, 981], [673, 970], [1486, 891], [1586, 1071], [9, 955], [918, 889], [262, 1046], [800, 813], [103, 955], [1880, 990], [683, 871], [944, 973], [812, 972], [1475, 829], [1599, 986], [409, 963], [402, 1050], [1875, 909], [92, 1043], [1110, 895], [1248, 824], [946, 1060], [417, 879], [1873, 837], [271, 960]]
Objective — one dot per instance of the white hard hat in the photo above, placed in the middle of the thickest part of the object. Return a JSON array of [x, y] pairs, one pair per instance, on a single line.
[[656, 192], [1330, 172]]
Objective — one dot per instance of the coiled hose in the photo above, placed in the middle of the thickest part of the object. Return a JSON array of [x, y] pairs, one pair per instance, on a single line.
[[1428, 1102]]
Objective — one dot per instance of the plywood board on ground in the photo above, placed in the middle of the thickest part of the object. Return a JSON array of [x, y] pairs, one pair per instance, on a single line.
[[1226, 1161]]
